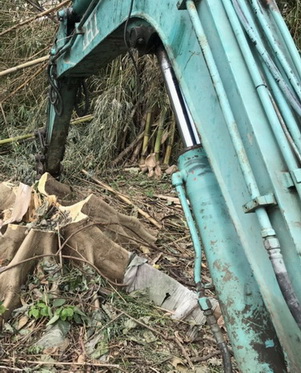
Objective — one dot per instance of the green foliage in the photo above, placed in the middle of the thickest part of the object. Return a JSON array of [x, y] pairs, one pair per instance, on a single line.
[[40, 309], [57, 311], [2, 308], [68, 313]]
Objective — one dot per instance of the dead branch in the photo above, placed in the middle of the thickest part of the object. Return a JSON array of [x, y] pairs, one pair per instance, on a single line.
[[24, 84], [204, 358], [27, 136], [38, 362], [16, 138], [174, 200], [124, 199], [182, 348], [127, 150], [23, 65], [39, 8], [42, 14]]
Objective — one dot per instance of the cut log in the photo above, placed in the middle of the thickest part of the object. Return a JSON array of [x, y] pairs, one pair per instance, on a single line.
[[48, 185], [89, 231], [93, 245], [7, 196], [35, 243], [11, 240]]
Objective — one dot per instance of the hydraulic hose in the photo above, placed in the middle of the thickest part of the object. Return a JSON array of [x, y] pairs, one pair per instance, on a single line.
[[204, 302], [250, 28], [270, 239], [269, 34], [217, 333]]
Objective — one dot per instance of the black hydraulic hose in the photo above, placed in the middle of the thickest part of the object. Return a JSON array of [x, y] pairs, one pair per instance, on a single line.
[[219, 338], [227, 365], [289, 295]]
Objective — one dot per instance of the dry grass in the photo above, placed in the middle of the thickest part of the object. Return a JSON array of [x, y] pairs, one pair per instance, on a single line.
[[119, 111]]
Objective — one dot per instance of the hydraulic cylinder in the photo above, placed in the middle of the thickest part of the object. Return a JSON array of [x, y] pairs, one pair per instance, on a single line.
[[249, 326]]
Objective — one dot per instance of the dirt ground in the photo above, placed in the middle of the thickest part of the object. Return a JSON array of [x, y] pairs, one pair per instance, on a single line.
[[73, 320]]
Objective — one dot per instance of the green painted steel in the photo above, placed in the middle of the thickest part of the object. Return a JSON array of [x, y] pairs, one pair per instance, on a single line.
[[80, 6], [256, 346], [178, 183], [230, 104]]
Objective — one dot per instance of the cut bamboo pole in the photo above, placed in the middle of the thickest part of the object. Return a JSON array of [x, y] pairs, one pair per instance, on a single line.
[[170, 141], [16, 138], [124, 199], [42, 14], [146, 135], [80, 120], [23, 65], [127, 150], [85, 118], [159, 134], [24, 84]]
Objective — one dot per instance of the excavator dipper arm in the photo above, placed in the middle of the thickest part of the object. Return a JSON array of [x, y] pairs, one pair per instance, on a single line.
[[233, 76]]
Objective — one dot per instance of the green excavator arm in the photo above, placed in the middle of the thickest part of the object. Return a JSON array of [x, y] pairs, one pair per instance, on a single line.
[[232, 73]]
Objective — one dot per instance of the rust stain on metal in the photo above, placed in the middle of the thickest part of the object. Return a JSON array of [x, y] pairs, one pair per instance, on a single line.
[[228, 275]]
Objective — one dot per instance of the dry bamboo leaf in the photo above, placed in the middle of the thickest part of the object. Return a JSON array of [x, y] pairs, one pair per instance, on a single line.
[[21, 204], [81, 359], [221, 322], [22, 322], [165, 136], [158, 172], [150, 161], [172, 169]]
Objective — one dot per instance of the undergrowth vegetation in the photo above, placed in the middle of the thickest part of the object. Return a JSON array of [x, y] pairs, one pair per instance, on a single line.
[[118, 107], [96, 323], [119, 110]]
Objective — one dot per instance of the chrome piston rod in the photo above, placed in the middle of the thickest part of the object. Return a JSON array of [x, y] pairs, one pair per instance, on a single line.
[[184, 120]]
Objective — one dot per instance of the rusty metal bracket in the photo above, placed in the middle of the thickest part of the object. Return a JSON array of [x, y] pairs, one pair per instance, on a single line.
[[261, 201]]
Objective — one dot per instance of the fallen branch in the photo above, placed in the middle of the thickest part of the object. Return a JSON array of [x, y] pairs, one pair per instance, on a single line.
[[174, 200], [39, 8], [23, 65], [24, 84], [104, 365], [42, 14], [16, 138], [4, 269], [83, 119], [204, 358], [127, 150], [124, 199], [182, 348]]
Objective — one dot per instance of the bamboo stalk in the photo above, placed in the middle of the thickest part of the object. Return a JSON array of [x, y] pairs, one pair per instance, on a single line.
[[85, 118], [24, 84], [124, 199], [127, 150], [16, 138], [23, 65], [146, 134], [159, 134], [170, 141], [42, 14]]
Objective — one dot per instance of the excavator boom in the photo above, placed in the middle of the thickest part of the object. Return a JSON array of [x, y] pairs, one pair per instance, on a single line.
[[232, 73]]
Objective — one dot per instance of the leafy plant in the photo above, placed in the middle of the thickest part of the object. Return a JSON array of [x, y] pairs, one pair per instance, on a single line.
[[2, 308], [58, 311], [68, 313], [40, 309]]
